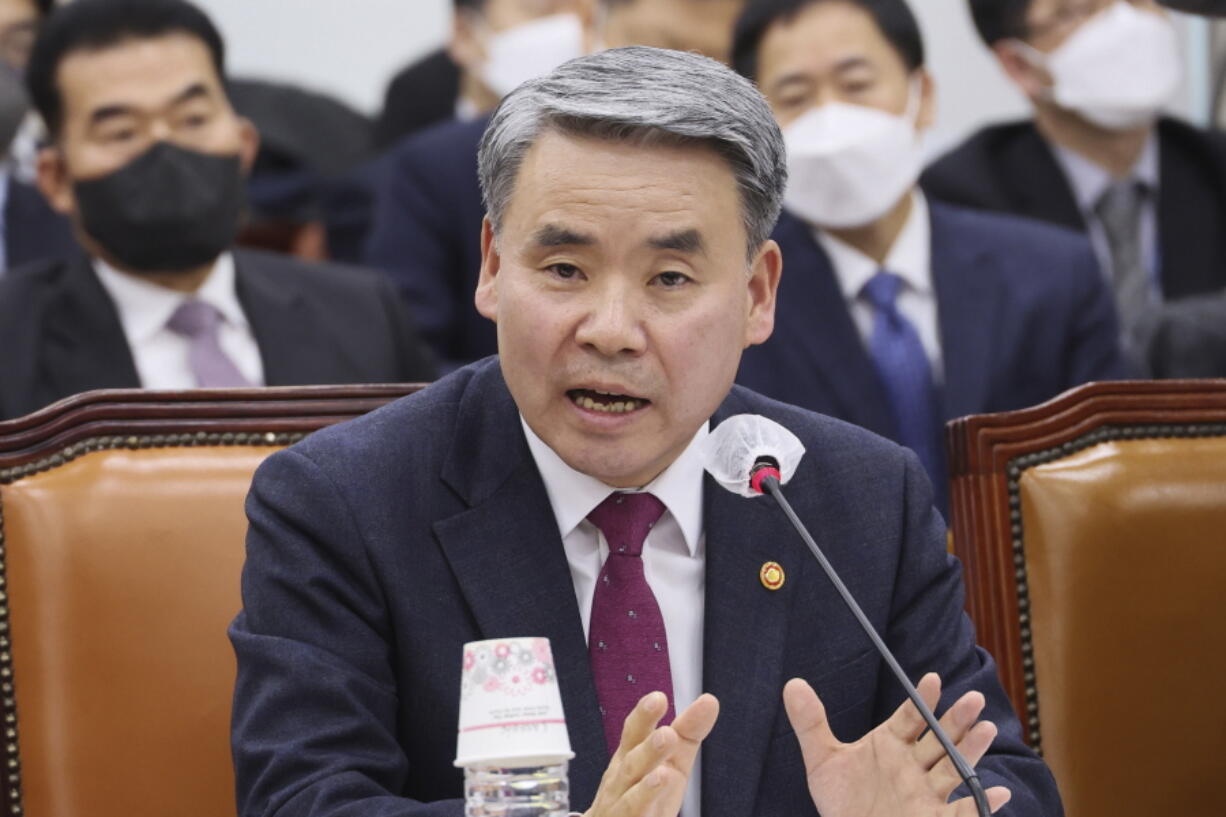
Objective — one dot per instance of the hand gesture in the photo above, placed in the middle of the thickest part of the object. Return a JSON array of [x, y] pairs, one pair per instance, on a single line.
[[648, 774], [892, 771]]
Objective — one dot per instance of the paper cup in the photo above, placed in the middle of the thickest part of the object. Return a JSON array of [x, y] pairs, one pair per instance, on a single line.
[[510, 708]]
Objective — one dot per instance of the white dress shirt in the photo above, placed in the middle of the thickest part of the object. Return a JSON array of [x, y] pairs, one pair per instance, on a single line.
[[911, 260], [674, 559], [1089, 181], [161, 356]]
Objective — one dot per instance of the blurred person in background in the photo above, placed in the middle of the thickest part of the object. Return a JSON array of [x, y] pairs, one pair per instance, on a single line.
[[1099, 156], [147, 158], [894, 312], [493, 43], [29, 229], [427, 218]]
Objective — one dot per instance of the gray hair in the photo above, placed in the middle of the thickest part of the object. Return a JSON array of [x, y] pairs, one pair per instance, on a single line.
[[647, 96]]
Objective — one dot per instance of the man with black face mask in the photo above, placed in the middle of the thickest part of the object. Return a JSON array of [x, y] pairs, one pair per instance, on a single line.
[[29, 229], [147, 159]]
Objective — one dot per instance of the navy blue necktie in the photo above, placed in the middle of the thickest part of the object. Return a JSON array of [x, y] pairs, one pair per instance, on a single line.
[[905, 372]]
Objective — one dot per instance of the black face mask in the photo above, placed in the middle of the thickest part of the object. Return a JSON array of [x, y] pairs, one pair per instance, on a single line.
[[168, 210]]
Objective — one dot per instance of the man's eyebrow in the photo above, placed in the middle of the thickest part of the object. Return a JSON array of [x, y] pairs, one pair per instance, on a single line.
[[552, 235], [191, 92], [686, 241]]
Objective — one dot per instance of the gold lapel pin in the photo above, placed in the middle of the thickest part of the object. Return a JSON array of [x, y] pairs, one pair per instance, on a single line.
[[772, 575]]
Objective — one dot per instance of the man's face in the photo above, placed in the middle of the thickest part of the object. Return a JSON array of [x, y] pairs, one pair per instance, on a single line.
[[704, 26], [1049, 23], [834, 52], [473, 28], [622, 270], [18, 27], [118, 101]]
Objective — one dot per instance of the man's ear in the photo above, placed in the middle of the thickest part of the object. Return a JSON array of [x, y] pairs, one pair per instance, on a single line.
[[54, 182], [1032, 80], [927, 113], [486, 296], [248, 144], [764, 275]]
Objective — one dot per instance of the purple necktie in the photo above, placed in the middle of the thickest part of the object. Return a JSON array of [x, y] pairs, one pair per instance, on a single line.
[[626, 640], [211, 366]]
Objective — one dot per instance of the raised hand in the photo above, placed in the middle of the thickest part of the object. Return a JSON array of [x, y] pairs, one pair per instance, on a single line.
[[648, 774], [892, 771]]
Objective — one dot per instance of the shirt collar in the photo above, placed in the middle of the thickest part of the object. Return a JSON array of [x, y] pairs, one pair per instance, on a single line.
[[145, 307], [1090, 180], [573, 494], [910, 258]]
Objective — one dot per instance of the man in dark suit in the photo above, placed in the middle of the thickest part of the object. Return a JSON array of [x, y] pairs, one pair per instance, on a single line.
[[148, 160], [29, 230], [626, 263], [997, 312], [1150, 191], [427, 213]]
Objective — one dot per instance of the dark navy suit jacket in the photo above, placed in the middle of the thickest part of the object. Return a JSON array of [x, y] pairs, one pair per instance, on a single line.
[[32, 230], [379, 547], [60, 333], [1023, 315], [1010, 168], [427, 236]]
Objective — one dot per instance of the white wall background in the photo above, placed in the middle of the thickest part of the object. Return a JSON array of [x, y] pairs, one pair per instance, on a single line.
[[352, 47]]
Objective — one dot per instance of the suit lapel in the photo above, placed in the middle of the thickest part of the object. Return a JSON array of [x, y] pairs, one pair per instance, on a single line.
[[967, 313], [1189, 220], [84, 345], [508, 559], [815, 321], [291, 345], [1037, 183], [745, 630]]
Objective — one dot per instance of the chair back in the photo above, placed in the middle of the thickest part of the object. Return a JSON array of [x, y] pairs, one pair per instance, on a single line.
[[1093, 533], [121, 543]]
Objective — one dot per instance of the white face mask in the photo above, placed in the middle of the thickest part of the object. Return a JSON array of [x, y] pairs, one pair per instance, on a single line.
[[531, 50], [1118, 70], [849, 164]]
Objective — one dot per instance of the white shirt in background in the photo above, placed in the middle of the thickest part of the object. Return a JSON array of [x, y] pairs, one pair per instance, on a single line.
[[674, 560], [160, 354], [910, 259]]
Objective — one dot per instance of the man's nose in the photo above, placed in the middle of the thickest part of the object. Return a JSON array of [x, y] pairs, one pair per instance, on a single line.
[[612, 323]]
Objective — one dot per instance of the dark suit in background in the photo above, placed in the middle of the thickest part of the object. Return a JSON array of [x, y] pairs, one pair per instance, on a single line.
[[1010, 168], [422, 94], [378, 548], [1022, 312], [60, 333], [427, 236], [32, 230]]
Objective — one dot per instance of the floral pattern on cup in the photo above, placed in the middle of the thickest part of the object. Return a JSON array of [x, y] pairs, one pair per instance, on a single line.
[[512, 667]]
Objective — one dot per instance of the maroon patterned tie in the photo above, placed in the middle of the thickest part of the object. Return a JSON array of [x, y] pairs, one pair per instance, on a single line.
[[626, 641]]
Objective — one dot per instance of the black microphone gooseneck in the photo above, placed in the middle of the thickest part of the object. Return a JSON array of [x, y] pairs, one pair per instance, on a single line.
[[765, 477]]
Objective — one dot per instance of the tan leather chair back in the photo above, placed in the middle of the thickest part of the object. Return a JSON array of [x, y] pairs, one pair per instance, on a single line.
[[1094, 534], [121, 561]]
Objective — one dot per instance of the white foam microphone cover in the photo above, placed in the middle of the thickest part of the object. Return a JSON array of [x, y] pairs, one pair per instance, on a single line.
[[732, 448]]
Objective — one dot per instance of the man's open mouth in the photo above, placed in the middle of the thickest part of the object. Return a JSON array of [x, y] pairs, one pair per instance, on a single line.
[[606, 402]]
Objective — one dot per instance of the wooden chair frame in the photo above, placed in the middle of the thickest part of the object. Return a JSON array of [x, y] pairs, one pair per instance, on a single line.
[[988, 455], [133, 419]]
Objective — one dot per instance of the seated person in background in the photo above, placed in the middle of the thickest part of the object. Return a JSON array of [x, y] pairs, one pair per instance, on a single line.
[[147, 159], [493, 42], [1149, 191], [897, 313], [29, 229], [626, 262], [427, 218]]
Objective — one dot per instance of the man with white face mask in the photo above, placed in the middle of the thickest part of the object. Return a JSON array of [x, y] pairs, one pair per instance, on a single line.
[[1099, 157], [426, 229], [895, 313]]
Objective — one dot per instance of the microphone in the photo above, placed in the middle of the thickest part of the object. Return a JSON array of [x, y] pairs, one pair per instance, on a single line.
[[752, 456]]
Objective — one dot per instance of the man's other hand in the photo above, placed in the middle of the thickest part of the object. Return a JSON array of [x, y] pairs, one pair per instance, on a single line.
[[648, 774], [892, 771]]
